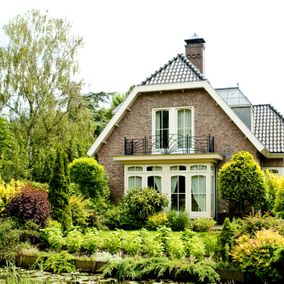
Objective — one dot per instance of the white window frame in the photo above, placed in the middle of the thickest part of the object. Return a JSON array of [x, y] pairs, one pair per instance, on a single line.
[[173, 121]]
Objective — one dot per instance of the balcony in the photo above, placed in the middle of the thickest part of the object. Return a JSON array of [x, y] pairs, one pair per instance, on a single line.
[[169, 144]]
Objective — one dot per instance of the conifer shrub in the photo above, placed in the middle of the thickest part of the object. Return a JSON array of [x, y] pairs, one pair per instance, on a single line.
[[30, 204]]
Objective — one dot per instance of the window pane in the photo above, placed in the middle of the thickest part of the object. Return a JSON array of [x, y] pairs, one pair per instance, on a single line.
[[134, 169], [184, 128], [134, 182], [162, 129], [178, 193], [198, 193]]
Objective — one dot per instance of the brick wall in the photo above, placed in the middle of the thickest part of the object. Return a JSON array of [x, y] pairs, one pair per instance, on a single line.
[[209, 119]]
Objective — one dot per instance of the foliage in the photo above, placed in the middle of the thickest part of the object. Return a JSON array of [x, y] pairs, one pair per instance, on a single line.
[[131, 243], [30, 232], [7, 192], [157, 220], [91, 178], [162, 268], [260, 255], [73, 241], [52, 235], [55, 262], [151, 245], [81, 210], [142, 203], [9, 239], [279, 201], [273, 185], [241, 182], [225, 240], [112, 242], [178, 221], [202, 224], [58, 193], [175, 247], [30, 204], [91, 241], [194, 247]]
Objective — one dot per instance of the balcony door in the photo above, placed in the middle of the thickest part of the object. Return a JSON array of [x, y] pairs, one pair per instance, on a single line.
[[173, 130]]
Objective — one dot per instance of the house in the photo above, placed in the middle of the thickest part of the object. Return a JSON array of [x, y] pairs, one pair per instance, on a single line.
[[174, 132]]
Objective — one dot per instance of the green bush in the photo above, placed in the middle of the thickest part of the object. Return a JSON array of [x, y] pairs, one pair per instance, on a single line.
[[175, 247], [91, 178], [73, 241], [52, 235], [56, 262], [111, 242], [279, 203], [9, 239], [241, 183], [194, 247], [273, 185], [142, 203], [131, 243], [178, 221], [91, 241], [151, 245], [261, 255], [157, 220], [202, 224]]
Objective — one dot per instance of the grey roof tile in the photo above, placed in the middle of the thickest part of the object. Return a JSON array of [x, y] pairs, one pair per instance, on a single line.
[[269, 127], [177, 70]]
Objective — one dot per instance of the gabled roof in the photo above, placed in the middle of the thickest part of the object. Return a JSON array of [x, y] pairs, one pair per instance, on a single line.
[[177, 70], [269, 127]]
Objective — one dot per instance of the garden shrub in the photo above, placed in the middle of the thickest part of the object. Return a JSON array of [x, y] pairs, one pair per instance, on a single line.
[[225, 240], [162, 268], [273, 185], [241, 183], [202, 224], [73, 241], [157, 220], [81, 210], [52, 235], [91, 241], [178, 221], [131, 243], [30, 204], [279, 203], [111, 242], [194, 247], [91, 178], [142, 203], [175, 247], [9, 239], [56, 262], [30, 232], [259, 256], [151, 245]]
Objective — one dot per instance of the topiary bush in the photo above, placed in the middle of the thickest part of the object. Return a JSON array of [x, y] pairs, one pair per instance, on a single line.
[[91, 178], [142, 203], [241, 183], [30, 204]]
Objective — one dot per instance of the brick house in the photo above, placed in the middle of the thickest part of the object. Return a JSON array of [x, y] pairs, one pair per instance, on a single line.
[[174, 131]]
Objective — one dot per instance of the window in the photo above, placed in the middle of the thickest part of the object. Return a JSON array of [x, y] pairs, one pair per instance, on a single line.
[[155, 182], [184, 128], [162, 129], [198, 168], [134, 182], [198, 193], [135, 169], [154, 168], [178, 168], [178, 193]]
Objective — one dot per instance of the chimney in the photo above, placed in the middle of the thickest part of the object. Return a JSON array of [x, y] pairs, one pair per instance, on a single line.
[[194, 51]]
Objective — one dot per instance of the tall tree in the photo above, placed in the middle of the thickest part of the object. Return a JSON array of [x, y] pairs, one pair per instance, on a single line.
[[37, 68]]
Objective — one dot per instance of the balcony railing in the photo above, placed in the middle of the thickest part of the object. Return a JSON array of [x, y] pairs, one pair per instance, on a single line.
[[169, 144]]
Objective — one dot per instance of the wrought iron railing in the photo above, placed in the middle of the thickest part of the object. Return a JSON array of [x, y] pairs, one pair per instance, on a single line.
[[169, 144]]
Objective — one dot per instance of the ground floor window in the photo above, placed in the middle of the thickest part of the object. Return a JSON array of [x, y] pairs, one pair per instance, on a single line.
[[189, 187]]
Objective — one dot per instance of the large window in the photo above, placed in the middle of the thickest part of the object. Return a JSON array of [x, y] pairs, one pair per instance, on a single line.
[[198, 193], [178, 193], [162, 129]]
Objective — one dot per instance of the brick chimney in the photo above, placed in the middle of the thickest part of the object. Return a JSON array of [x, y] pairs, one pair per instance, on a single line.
[[194, 51]]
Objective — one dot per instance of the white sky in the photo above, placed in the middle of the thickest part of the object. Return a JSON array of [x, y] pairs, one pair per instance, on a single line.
[[127, 40]]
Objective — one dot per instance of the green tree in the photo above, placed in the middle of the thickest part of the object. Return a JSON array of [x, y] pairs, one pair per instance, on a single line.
[[37, 68], [241, 183], [58, 193]]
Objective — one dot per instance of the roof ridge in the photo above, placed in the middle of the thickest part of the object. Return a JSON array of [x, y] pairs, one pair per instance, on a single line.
[[192, 66]]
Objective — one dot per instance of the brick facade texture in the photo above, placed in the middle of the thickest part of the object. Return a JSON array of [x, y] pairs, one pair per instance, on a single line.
[[209, 118]]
